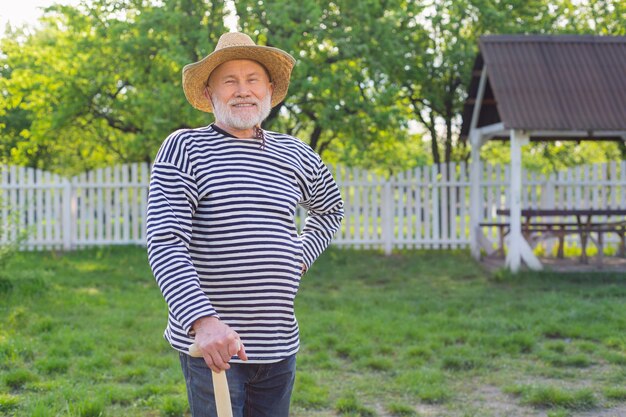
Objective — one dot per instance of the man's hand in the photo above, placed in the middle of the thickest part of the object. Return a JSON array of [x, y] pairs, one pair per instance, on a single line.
[[218, 343]]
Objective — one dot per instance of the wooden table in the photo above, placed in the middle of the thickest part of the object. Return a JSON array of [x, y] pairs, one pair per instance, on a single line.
[[587, 221]]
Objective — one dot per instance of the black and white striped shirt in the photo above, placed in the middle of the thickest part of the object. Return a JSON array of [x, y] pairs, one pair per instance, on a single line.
[[222, 238]]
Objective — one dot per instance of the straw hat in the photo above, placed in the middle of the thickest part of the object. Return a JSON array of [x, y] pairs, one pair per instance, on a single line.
[[236, 45]]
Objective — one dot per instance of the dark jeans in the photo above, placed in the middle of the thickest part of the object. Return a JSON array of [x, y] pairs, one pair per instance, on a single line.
[[256, 390]]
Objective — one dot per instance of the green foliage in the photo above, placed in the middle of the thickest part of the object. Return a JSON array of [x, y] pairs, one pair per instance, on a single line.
[[551, 157], [337, 103], [100, 83], [377, 85]]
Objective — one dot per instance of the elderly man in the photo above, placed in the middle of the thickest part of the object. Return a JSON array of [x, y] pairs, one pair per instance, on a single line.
[[222, 240]]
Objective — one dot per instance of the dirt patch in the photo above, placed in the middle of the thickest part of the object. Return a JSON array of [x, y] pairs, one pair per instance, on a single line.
[[619, 411], [492, 400]]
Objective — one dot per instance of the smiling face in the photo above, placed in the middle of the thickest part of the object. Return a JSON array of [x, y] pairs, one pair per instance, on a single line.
[[241, 94]]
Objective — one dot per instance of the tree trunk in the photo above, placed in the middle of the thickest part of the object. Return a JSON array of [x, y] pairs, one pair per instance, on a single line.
[[434, 144], [448, 147], [622, 148], [315, 137]]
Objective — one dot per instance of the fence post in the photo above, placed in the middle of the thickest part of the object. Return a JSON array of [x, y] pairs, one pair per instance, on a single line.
[[477, 140], [69, 214], [388, 217]]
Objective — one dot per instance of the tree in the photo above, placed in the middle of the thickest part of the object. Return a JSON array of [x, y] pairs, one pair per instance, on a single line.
[[337, 102], [434, 82], [598, 17], [436, 43], [100, 83]]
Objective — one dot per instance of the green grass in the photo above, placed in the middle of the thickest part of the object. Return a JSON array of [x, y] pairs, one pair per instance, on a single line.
[[555, 397], [81, 335], [349, 405]]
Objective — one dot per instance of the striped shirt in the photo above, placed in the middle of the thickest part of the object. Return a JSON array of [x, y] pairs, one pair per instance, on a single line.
[[222, 238]]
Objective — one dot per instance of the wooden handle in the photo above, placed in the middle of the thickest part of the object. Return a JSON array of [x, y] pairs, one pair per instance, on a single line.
[[222, 395], [220, 386], [195, 351]]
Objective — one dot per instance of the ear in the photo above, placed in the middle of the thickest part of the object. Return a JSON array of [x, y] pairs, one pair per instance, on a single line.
[[207, 94]]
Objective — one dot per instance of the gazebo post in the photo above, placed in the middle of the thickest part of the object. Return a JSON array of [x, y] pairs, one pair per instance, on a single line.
[[476, 141], [514, 254], [519, 249]]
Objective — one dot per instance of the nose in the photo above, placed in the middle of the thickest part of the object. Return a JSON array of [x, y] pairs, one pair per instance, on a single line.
[[242, 90]]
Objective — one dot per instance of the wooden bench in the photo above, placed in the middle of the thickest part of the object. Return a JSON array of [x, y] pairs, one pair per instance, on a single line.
[[535, 232], [619, 228]]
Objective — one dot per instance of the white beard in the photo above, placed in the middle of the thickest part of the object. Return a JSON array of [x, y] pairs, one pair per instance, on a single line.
[[224, 114]]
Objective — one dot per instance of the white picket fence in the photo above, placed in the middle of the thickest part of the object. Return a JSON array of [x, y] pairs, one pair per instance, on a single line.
[[101, 207], [427, 207]]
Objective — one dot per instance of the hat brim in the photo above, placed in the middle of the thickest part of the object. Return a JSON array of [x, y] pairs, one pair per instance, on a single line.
[[278, 64]]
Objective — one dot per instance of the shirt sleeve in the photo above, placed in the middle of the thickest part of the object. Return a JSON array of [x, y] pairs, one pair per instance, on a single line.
[[324, 214], [172, 201]]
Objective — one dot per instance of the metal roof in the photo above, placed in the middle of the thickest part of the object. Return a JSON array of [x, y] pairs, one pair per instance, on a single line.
[[551, 83]]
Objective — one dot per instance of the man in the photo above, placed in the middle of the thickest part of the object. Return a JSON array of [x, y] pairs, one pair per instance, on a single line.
[[222, 241]]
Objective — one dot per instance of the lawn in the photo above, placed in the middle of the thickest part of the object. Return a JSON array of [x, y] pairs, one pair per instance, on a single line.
[[419, 333]]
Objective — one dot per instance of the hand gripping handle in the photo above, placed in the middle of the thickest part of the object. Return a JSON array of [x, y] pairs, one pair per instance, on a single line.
[[220, 386]]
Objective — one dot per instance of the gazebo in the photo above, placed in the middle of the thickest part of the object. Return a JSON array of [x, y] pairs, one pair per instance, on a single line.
[[540, 88]]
